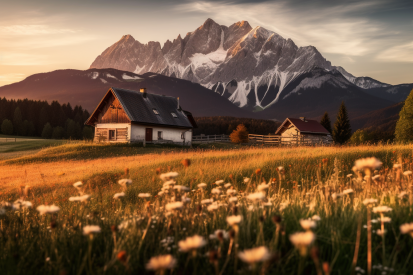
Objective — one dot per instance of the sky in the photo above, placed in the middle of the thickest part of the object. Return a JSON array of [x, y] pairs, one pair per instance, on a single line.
[[368, 38]]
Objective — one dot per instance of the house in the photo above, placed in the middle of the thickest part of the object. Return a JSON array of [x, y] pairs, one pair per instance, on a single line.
[[131, 116], [304, 129]]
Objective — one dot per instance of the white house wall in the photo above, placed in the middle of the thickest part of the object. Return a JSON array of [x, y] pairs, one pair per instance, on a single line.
[[290, 132], [116, 126], [173, 134]]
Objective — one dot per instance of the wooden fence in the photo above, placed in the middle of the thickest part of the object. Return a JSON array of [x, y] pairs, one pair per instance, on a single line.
[[210, 138], [293, 140]]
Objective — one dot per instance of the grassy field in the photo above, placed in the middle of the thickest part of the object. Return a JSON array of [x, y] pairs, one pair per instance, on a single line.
[[274, 192]]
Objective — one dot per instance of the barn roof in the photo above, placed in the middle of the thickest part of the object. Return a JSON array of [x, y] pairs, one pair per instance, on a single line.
[[139, 107], [303, 125]]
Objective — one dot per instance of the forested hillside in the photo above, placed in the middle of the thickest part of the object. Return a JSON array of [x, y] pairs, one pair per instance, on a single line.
[[226, 124], [39, 118]]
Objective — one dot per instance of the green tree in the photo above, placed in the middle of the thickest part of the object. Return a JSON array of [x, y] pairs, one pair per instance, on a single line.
[[43, 119], [58, 132], [47, 131], [239, 135], [325, 122], [24, 129], [18, 121], [7, 127], [404, 126], [70, 129], [88, 132], [361, 136], [342, 128]]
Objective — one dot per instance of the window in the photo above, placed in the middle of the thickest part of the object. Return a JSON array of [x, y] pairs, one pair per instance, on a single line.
[[174, 115], [112, 135], [160, 135], [155, 111], [183, 135]]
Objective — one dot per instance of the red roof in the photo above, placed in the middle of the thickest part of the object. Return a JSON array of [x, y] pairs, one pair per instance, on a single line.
[[307, 126]]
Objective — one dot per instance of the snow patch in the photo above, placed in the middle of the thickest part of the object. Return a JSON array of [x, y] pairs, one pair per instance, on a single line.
[[127, 77], [111, 76], [104, 81], [95, 75]]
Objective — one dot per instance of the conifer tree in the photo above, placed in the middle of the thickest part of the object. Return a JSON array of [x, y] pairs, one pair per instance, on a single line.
[[342, 128], [325, 122], [404, 126], [17, 121], [239, 135]]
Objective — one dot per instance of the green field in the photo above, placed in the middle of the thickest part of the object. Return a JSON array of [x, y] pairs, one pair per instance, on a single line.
[[135, 228]]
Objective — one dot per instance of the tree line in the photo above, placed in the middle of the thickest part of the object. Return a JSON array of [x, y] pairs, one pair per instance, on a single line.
[[39, 118]]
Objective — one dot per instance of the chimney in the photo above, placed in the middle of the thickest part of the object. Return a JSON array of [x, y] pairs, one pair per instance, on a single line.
[[178, 103], [303, 119], [143, 92]]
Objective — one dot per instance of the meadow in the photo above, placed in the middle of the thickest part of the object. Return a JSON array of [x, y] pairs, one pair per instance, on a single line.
[[82, 208]]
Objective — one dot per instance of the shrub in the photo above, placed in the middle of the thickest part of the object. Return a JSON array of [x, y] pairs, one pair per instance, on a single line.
[[404, 126], [47, 131], [7, 127], [58, 132], [239, 135]]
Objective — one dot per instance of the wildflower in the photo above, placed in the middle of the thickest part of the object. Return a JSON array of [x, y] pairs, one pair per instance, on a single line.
[[407, 228], [234, 220], [207, 201], [162, 262], [216, 191], [202, 185], [381, 209], [174, 206], [349, 175], [182, 188], [21, 203], [246, 180], [283, 205], [231, 192], [227, 185], [348, 191], [89, 229], [376, 177], [80, 198], [122, 256], [186, 162], [219, 182], [380, 232], [407, 173], [396, 166], [316, 218], [219, 234], [168, 176], [254, 255], [233, 199], [280, 168], [263, 187], [78, 184], [47, 209], [302, 240], [402, 194], [369, 201], [161, 193], [368, 163], [191, 243], [307, 224], [125, 182], [119, 195], [185, 199], [212, 207], [385, 219], [144, 195], [256, 196]]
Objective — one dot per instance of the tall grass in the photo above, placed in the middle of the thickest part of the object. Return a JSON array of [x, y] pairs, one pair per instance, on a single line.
[[134, 228]]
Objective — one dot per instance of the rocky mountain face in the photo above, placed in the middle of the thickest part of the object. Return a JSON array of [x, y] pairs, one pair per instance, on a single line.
[[250, 67]]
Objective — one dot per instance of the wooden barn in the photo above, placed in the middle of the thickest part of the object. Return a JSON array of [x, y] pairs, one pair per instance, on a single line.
[[131, 116], [304, 129]]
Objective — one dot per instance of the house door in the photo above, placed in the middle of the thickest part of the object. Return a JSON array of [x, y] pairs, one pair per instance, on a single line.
[[112, 135], [148, 134]]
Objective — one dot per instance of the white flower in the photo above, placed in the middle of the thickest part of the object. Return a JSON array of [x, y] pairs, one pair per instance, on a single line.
[[385, 219], [78, 184], [161, 262], [218, 182], [191, 243], [406, 228], [233, 199], [207, 201], [161, 193], [283, 205], [316, 218], [227, 185], [369, 201], [174, 206], [334, 196], [212, 207], [382, 209], [125, 182], [234, 220], [167, 184], [185, 199], [80, 198], [256, 196], [407, 173], [218, 232], [246, 180], [47, 209], [381, 233], [402, 194], [182, 188], [376, 177], [302, 239], [119, 195], [231, 192], [202, 185], [168, 176], [21, 203], [348, 191], [144, 195], [89, 229], [280, 168], [263, 187], [216, 191], [349, 175], [396, 166], [2, 211], [307, 224], [371, 163], [254, 255]]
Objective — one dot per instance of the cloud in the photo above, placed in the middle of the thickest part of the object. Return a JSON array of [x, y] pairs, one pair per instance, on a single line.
[[401, 53], [33, 30]]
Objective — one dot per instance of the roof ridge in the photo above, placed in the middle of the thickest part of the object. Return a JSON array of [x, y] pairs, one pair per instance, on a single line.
[[139, 92]]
